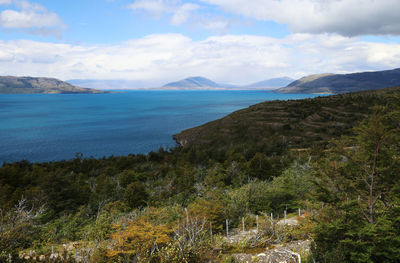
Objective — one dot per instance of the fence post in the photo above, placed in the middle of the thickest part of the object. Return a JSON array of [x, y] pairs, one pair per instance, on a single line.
[[227, 228], [284, 221], [211, 233], [257, 222], [299, 211], [242, 224], [187, 216]]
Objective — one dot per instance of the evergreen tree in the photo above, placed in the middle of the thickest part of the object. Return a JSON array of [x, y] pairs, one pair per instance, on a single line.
[[359, 180]]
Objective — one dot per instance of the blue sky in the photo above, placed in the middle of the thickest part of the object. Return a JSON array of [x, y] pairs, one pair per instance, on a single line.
[[235, 41], [113, 21]]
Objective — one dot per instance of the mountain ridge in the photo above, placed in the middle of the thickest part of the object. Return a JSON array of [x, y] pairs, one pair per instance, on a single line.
[[343, 83], [196, 82], [40, 85], [200, 83]]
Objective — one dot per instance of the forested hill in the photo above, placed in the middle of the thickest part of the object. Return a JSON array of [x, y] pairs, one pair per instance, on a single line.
[[31, 85], [273, 126], [343, 83]]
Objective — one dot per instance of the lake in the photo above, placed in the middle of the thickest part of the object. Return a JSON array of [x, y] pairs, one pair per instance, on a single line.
[[51, 127]]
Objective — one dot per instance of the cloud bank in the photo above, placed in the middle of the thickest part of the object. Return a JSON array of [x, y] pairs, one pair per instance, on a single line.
[[30, 18], [229, 58], [345, 17], [180, 13]]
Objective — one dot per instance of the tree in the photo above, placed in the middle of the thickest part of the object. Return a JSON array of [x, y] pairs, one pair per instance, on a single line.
[[359, 180], [136, 194], [17, 227], [138, 239], [260, 167]]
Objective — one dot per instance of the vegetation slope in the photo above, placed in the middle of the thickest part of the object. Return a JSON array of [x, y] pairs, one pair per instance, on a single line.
[[275, 126]]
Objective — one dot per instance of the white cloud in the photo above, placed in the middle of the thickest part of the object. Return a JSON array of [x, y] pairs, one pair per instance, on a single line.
[[28, 19], [179, 12], [168, 57], [345, 17], [181, 15], [32, 18], [155, 7], [5, 2]]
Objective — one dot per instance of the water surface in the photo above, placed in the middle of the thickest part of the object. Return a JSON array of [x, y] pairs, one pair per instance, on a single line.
[[49, 127]]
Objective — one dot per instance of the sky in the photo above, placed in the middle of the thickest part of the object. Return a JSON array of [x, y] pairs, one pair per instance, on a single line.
[[230, 41]]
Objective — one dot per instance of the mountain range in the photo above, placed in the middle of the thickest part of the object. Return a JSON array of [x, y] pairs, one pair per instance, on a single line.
[[317, 84], [343, 83], [30, 85], [201, 83]]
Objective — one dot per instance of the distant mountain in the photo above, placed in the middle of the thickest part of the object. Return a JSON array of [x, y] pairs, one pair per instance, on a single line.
[[343, 83], [195, 83], [271, 83], [204, 83], [31, 85]]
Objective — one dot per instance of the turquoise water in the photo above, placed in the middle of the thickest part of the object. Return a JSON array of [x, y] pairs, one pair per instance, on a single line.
[[50, 127]]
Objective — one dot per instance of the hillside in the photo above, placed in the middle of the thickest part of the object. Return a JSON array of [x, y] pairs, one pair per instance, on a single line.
[[274, 126], [31, 85], [343, 83]]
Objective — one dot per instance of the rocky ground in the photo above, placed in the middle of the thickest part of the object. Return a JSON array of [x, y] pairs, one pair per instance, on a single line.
[[279, 253]]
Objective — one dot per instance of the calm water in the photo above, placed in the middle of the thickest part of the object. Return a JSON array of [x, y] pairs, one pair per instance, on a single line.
[[47, 127]]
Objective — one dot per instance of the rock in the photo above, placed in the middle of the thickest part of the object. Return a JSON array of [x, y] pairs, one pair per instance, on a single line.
[[289, 221], [270, 256], [279, 254], [42, 258]]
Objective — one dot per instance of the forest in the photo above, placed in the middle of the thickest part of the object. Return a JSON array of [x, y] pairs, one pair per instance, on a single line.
[[332, 163]]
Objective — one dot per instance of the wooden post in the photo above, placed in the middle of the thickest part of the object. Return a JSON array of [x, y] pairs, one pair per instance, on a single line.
[[211, 234], [187, 216], [242, 224], [299, 211], [257, 222], [272, 219], [227, 228], [284, 221], [52, 258]]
